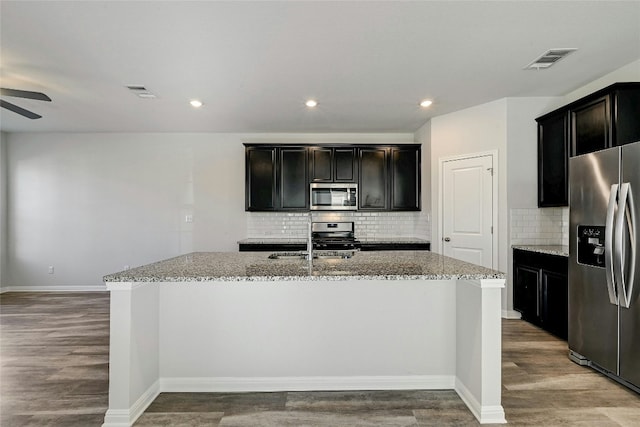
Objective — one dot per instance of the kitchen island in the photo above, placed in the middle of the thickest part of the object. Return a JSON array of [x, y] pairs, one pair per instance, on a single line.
[[223, 322]]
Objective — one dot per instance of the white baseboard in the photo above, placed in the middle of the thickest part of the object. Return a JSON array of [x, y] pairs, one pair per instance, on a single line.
[[126, 417], [269, 384], [511, 314], [61, 288], [487, 414]]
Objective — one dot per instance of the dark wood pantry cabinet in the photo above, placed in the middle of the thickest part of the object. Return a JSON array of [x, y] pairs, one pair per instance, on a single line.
[[607, 118], [278, 176]]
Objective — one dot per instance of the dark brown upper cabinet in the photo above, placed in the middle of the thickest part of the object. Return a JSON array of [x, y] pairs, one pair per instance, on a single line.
[[607, 118], [373, 185], [604, 119], [333, 164], [292, 178], [260, 178], [553, 160], [278, 176], [405, 178], [590, 125]]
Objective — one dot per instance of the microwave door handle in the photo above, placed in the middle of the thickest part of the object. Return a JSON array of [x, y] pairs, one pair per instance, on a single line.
[[625, 216], [608, 245]]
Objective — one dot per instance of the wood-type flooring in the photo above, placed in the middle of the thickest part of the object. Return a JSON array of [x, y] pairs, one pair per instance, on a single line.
[[54, 372]]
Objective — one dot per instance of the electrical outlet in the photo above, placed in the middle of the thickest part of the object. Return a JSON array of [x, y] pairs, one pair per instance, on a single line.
[[50, 269], [188, 218]]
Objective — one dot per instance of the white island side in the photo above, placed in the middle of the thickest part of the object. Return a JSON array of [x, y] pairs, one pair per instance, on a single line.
[[236, 322]]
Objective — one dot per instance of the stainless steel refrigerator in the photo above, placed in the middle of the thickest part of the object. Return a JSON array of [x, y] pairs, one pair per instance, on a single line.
[[604, 281]]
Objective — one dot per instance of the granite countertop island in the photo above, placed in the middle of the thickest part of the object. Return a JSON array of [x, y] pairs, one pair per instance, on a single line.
[[257, 266], [244, 322]]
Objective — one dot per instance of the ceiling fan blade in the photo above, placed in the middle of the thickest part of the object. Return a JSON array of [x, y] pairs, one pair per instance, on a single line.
[[25, 94], [12, 107]]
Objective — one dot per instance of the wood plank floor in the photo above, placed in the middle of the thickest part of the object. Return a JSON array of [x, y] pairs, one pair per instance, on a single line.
[[54, 372]]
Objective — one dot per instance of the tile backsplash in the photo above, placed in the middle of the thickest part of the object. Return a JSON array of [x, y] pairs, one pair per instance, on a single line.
[[535, 226], [368, 225]]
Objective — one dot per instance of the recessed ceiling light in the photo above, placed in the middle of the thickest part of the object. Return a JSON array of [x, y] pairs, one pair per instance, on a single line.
[[195, 103], [426, 103], [311, 103]]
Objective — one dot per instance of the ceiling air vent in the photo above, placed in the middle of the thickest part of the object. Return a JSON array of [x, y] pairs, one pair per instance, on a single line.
[[141, 91], [549, 58]]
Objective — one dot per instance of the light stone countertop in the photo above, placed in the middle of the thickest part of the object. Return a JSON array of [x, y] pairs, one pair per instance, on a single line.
[[256, 266], [545, 249]]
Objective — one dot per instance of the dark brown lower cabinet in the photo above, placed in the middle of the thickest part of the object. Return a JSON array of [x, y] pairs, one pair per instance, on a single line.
[[540, 290]]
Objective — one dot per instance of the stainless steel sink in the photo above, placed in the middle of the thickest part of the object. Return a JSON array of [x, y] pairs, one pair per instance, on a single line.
[[288, 255], [316, 255]]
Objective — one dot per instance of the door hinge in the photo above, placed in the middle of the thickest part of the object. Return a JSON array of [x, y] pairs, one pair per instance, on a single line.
[[492, 229], [490, 170]]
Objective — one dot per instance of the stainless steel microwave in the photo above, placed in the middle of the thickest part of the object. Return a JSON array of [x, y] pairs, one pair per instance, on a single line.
[[334, 197]]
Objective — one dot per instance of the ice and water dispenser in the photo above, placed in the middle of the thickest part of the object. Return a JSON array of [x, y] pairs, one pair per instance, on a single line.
[[591, 245]]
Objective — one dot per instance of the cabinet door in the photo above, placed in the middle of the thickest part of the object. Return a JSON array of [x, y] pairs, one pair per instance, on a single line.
[[626, 114], [372, 185], [590, 126], [553, 160], [405, 179], [294, 188], [320, 160], [344, 161], [525, 292], [554, 305], [260, 178]]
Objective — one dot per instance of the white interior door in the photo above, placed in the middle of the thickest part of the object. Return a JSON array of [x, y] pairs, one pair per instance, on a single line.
[[467, 210]]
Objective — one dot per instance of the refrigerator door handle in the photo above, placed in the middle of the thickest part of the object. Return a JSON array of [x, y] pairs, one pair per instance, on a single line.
[[608, 245], [625, 215]]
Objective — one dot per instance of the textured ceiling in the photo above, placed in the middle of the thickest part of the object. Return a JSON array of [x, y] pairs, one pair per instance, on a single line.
[[254, 64]]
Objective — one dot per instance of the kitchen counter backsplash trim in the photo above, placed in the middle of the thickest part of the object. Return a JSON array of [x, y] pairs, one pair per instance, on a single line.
[[257, 267]]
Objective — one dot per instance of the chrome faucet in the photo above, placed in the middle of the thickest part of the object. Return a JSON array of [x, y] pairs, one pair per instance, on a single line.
[[309, 242]]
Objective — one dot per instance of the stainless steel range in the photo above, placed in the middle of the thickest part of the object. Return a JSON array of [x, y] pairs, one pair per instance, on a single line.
[[334, 236]]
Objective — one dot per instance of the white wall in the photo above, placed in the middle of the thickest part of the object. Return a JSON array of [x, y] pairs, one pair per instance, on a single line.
[[423, 136], [507, 126], [3, 208], [477, 129], [522, 171], [89, 204], [628, 73]]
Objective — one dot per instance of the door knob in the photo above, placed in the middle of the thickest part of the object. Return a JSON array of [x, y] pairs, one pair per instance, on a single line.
[[446, 239]]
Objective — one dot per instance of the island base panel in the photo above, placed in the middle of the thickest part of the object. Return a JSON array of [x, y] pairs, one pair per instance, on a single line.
[[318, 335]]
